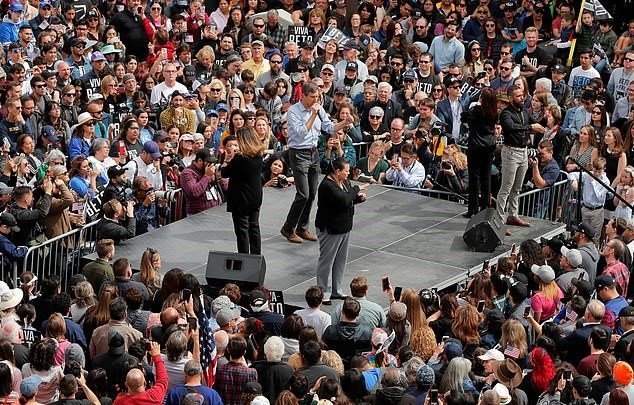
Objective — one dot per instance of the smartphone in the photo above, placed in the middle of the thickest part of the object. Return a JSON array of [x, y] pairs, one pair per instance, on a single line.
[[433, 396], [397, 293], [434, 290], [147, 344], [193, 323], [567, 375], [186, 294], [485, 265], [513, 249], [5, 142], [481, 306], [527, 312], [386, 283]]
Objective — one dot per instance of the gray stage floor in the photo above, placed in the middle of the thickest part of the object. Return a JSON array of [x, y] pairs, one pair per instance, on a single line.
[[415, 240]]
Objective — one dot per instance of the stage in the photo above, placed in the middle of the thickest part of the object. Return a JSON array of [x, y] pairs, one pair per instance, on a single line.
[[415, 240]]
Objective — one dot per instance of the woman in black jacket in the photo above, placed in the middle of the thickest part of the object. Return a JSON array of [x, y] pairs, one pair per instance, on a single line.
[[244, 195], [481, 120], [335, 209]]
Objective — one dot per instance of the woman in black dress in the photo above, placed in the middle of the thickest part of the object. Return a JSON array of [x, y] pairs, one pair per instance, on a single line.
[[244, 194], [481, 120]]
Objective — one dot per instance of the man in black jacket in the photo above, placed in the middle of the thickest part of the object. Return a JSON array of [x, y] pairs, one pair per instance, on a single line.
[[348, 337], [516, 127], [129, 23], [113, 360], [27, 214], [110, 226]]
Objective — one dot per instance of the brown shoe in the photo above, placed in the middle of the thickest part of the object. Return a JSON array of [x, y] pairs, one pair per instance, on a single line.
[[517, 221], [304, 234], [507, 233], [291, 236]]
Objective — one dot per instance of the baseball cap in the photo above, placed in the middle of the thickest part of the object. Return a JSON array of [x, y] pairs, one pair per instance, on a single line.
[[222, 107], [626, 311], [186, 137], [128, 76], [160, 136], [224, 316], [97, 56], [545, 273], [328, 66], [257, 42], [453, 349], [48, 132], [253, 387], [258, 300], [76, 41], [372, 78], [307, 45], [4, 189], [350, 45], [205, 155], [234, 57], [604, 280], [152, 148], [509, 5], [573, 256], [9, 220], [584, 228], [559, 68], [45, 3], [340, 90], [29, 385], [409, 75], [352, 66], [378, 337], [95, 97], [115, 171], [584, 287], [451, 81], [16, 6], [211, 112], [622, 372], [492, 354]]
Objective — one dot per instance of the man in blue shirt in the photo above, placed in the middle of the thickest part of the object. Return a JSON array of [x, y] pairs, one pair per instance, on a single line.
[[10, 252], [306, 120], [193, 387]]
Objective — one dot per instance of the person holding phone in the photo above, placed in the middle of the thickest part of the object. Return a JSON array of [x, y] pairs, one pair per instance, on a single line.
[[335, 212], [306, 119], [129, 23], [244, 194], [198, 182]]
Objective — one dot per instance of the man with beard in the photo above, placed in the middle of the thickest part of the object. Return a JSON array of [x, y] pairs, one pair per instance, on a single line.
[[425, 72], [516, 127], [505, 80], [118, 182], [532, 59], [422, 33], [226, 48], [275, 60], [447, 49]]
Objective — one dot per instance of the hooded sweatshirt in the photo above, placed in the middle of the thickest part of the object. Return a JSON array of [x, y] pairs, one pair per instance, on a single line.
[[9, 29]]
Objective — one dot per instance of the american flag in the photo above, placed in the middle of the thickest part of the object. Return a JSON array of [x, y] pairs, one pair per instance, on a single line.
[[571, 315], [207, 348], [512, 352]]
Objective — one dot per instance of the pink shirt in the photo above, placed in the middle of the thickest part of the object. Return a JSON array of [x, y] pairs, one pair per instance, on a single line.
[[539, 303]]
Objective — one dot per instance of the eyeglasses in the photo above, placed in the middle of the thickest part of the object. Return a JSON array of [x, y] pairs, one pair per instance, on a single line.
[[70, 94], [396, 64], [596, 112], [421, 27], [396, 129], [40, 85], [505, 68], [628, 59], [326, 73], [251, 119], [375, 117], [453, 87], [155, 9]]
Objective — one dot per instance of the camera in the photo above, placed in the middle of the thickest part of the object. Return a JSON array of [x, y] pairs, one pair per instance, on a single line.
[[446, 165], [168, 195], [438, 128], [282, 181], [124, 195], [532, 153]]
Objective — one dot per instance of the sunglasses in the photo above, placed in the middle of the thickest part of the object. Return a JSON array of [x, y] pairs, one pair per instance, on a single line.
[[504, 68], [375, 117], [489, 25], [215, 90], [475, 49], [489, 69], [258, 25], [628, 60], [249, 92], [326, 73], [436, 90], [302, 70]]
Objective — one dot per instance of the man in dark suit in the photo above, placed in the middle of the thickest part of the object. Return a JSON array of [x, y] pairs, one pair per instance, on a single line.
[[576, 343], [450, 108]]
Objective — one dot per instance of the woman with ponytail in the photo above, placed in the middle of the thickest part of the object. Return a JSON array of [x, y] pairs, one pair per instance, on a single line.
[[538, 380]]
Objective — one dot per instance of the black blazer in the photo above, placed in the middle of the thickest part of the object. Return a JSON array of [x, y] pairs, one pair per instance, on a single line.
[[335, 206], [244, 194]]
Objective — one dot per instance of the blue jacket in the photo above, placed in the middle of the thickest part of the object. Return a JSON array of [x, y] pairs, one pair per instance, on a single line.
[[575, 119], [78, 147], [9, 29], [443, 111], [10, 252]]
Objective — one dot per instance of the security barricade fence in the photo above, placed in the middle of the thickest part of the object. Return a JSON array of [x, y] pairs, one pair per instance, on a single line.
[[555, 203]]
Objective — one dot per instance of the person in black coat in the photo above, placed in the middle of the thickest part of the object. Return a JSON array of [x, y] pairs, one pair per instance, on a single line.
[[481, 121], [335, 209], [244, 195]]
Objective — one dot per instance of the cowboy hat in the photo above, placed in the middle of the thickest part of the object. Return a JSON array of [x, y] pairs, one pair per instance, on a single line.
[[82, 119], [508, 373], [9, 298]]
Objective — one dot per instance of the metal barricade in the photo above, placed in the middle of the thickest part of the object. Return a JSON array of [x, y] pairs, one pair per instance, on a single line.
[[552, 203], [439, 194], [362, 149], [176, 203], [60, 255]]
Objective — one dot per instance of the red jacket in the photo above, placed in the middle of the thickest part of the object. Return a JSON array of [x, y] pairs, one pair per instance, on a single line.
[[154, 395]]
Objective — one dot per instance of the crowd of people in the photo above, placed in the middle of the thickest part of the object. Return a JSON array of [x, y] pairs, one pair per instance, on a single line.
[[111, 110]]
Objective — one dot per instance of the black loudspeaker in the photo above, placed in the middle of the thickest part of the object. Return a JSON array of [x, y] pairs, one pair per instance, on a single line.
[[245, 270], [485, 231]]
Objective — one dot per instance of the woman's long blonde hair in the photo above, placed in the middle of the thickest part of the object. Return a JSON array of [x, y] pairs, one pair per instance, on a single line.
[[465, 325], [415, 314], [550, 290], [514, 334], [148, 272]]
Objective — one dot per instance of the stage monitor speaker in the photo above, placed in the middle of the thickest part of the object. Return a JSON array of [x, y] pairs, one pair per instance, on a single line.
[[245, 270], [485, 231]]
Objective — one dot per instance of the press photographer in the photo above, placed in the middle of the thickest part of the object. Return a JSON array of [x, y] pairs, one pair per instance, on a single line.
[[117, 185], [118, 222], [149, 208]]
